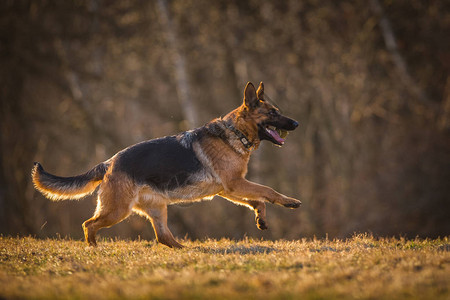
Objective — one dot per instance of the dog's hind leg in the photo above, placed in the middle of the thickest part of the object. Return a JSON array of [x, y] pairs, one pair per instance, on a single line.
[[114, 203], [258, 207], [158, 218], [103, 218]]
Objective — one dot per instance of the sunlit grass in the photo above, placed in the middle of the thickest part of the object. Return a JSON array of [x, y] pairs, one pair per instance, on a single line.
[[360, 267]]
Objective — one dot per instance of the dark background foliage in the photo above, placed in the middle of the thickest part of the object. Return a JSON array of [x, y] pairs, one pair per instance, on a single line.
[[368, 81]]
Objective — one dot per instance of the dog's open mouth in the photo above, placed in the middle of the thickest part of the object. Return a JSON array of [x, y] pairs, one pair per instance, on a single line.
[[276, 131], [277, 134]]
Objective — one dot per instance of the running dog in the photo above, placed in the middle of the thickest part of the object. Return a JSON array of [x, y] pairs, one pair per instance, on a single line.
[[191, 166]]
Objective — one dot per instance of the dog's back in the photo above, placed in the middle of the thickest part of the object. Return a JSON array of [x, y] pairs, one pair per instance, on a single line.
[[163, 164]]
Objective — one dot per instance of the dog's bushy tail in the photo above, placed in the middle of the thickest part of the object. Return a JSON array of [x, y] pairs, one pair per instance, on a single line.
[[63, 188]]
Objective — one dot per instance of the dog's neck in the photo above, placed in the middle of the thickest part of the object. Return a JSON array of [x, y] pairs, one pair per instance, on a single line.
[[235, 138], [240, 135]]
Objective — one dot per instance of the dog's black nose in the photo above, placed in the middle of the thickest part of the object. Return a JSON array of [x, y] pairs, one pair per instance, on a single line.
[[294, 124]]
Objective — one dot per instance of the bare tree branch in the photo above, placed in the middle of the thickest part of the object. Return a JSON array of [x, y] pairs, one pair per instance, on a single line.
[[397, 58]]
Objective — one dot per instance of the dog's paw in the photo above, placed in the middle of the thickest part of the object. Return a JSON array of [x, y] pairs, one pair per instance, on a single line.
[[293, 204], [261, 224]]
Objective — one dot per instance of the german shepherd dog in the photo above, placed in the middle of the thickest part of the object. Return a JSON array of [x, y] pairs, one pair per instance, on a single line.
[[191, 166]]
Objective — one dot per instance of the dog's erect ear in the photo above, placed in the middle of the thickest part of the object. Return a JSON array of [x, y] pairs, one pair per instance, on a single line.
[[260, 91], [250, 98]]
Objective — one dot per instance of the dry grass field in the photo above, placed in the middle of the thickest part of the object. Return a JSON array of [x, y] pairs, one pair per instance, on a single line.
[[361, 267]]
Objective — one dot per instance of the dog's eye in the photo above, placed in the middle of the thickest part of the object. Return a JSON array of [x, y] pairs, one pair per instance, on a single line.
[[273, 112]]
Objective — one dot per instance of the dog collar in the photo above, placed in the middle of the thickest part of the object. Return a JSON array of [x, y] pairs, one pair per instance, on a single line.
[[242, 138]]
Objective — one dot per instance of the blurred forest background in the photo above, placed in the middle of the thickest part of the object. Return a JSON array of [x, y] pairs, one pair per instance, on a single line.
[[368, 81]]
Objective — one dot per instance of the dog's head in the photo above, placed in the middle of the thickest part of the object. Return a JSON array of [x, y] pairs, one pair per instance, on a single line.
[[271, 124]]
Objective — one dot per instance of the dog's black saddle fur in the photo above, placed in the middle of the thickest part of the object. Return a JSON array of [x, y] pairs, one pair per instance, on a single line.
[[163, 163]]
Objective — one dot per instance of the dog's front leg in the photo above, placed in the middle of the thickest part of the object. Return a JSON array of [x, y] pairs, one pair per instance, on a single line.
[[260, 214], [244, 189], [258, 207]]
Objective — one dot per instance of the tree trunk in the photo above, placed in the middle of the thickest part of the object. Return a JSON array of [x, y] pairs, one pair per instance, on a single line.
[[179, 65]]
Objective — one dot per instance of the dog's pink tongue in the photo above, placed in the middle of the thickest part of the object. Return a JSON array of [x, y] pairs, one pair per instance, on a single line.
[[276, 136]]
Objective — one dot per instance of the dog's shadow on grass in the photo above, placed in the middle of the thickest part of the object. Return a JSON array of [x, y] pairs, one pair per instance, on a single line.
[[236, 249]]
